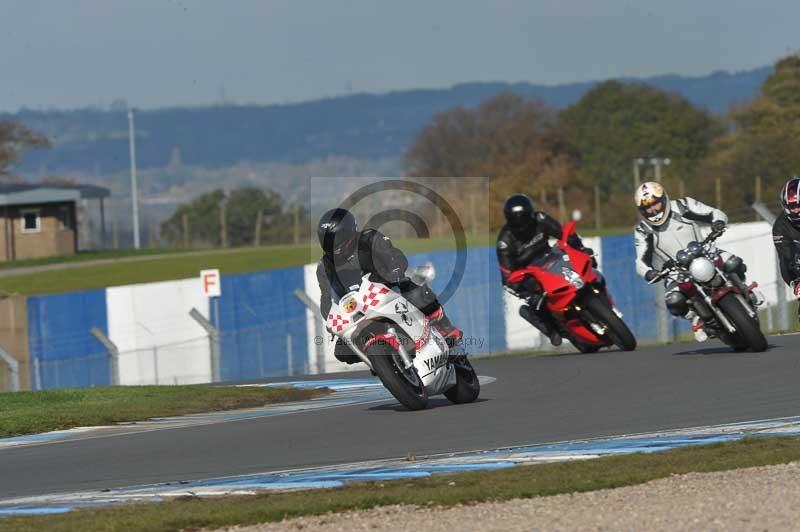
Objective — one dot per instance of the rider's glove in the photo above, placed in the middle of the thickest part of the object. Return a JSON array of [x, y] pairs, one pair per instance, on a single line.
[[796, 287], [718, 226], [650, 275]]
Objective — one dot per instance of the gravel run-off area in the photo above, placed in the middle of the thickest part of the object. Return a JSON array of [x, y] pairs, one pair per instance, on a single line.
[[761, 498]]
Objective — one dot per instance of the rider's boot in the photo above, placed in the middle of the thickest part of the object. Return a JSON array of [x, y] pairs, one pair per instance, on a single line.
[[756, 296], [697, 326], [549, 330], [452, 334]]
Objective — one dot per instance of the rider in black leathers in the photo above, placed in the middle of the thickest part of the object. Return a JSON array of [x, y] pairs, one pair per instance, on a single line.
[[524, 240], [349, 253], [786, 235]]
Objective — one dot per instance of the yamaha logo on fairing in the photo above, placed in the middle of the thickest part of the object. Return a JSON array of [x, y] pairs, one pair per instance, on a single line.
[[435, 362]]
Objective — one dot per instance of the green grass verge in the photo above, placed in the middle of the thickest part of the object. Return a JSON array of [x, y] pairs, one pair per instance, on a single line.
[[193, 513], [85, 256], [185, 265], [146, 266], [34, 412]]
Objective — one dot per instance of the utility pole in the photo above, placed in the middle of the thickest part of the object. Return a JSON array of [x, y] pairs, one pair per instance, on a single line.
[[134, 188]]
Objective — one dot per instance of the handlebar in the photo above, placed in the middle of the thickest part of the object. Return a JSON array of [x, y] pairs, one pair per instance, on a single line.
[[669, 268], [713, 236]]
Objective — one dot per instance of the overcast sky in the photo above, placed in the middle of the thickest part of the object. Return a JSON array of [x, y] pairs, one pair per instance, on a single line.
[[154, 53]]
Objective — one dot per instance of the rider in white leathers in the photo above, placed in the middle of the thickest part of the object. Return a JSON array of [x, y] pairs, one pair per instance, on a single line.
[[668, 227]]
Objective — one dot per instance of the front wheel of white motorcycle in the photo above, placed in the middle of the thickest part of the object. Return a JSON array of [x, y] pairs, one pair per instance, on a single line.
[[404, 384], [467, 387]]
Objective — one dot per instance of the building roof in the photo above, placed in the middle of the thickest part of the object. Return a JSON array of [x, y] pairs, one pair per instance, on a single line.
[[29, 194]]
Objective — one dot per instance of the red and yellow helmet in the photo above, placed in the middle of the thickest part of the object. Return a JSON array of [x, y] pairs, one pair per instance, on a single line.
[[653, 203]]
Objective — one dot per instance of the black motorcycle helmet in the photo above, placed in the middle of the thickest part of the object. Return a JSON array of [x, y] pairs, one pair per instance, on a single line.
[[518, 210], [337, 233], [790, 200]]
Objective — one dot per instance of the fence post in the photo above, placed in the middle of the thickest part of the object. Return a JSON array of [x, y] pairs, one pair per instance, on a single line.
[[223, 225], [37, 374], [318, 331], [289, 356], [662, 316], [562, 208], [113, 354], [780, 291], [598, 221], [257, 230], [13, 366], [185, 229], [214, 338]]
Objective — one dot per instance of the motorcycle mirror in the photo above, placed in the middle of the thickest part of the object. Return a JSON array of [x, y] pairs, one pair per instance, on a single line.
[[422, 274]]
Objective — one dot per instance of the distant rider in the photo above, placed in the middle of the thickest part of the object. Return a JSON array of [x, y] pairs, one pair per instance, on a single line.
[[523, 240], [668, 227], [786, 235], [348, 254]]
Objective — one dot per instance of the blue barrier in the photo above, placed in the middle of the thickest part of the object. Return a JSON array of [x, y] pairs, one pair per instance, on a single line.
[[262, 325], [633, 296], [476, 306], [64, 351]]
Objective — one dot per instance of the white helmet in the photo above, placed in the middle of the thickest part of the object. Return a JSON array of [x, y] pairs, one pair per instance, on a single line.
[[653, 203]]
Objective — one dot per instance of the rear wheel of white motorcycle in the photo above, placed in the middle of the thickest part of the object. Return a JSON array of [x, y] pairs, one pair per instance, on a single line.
[[404, 384], [618, 331], [467, 387], [748, 330]]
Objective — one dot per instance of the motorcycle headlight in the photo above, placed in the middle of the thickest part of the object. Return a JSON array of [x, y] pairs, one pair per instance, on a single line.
[[702, 270], [573, 278]]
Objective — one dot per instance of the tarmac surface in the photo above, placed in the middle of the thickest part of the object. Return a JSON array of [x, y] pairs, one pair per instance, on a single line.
[[534, 400]]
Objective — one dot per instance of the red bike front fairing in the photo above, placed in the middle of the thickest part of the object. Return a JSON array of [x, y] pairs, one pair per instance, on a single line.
[[563, 274]]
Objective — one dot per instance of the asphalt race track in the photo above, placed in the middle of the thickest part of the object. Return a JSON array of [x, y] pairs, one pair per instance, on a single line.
[[534, 400]]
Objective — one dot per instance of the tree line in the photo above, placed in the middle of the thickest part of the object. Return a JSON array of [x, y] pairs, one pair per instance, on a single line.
[[586, 155], [244, 217]]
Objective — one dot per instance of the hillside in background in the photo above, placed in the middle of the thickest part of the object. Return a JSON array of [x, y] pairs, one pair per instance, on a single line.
[[92, 143]]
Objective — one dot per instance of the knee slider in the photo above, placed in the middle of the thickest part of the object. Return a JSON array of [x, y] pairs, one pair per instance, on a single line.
[[676, 303]]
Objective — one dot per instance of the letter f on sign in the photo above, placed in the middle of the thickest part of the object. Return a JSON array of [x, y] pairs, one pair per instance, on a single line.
[[210, 283]]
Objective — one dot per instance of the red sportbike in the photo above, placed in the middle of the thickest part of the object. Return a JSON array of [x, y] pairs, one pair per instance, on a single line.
[[575, 295]]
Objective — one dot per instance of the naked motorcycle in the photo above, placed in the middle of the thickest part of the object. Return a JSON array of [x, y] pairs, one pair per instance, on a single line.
[[726, 305]]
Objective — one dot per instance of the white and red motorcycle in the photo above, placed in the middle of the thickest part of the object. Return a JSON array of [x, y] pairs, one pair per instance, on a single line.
[[400, 345]]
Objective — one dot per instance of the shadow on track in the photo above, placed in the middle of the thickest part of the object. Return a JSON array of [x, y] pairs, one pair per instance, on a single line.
[[721, 350], [433, 404]]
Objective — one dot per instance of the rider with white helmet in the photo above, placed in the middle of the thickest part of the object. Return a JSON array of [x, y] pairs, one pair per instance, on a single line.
[[668, 226]]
